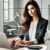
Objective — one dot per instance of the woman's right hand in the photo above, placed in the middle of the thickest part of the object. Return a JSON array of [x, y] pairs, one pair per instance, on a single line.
[[19, 43]]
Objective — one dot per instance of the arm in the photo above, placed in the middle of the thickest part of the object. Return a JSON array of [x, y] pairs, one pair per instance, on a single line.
[[42, 31]]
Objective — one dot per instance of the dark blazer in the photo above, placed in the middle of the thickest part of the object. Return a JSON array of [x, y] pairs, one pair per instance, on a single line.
[[40, 31]]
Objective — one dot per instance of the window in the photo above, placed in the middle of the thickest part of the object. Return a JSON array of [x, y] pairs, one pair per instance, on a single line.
[[5, 10]]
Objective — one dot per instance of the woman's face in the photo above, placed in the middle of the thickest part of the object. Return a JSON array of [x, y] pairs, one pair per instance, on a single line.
[[31, 10]]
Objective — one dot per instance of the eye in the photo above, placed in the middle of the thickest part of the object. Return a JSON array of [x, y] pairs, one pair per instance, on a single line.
[[32, 8]]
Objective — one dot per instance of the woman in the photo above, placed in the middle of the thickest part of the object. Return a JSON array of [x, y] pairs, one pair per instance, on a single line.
[[34, 23]]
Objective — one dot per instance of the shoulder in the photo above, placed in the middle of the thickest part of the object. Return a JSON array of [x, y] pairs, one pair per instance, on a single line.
[[44, 20]]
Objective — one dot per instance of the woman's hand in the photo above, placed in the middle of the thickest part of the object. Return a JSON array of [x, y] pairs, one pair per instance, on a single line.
[[23, 43], [19, 43], [30, 42], [27, 42]]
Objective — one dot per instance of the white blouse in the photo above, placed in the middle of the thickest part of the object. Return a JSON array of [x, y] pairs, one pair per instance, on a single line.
[[32, 30]]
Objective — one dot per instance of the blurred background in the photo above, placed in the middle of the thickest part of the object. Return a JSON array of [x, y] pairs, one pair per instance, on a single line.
[[11, 12]]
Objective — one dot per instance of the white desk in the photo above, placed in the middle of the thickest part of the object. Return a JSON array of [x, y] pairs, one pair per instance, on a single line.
[[25, 48]]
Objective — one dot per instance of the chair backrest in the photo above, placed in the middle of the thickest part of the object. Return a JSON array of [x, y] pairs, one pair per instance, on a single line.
[[3, 41]]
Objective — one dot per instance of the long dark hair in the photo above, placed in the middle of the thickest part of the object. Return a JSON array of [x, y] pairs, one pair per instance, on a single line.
[[26, 14]]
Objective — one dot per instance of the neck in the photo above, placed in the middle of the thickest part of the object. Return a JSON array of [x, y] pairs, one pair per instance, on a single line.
[[35, 18]]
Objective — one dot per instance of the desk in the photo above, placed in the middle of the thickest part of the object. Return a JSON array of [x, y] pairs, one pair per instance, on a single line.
[[44, 47], [25, 48]]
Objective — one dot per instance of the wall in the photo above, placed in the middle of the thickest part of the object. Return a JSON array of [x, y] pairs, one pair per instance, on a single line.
[[1, 15]]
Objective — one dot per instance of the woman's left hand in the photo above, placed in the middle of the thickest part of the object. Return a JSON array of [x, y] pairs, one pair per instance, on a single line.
[[27, 42]]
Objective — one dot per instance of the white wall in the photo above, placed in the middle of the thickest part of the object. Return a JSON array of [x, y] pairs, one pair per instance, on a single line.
[[1, 15], [45, 8]]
